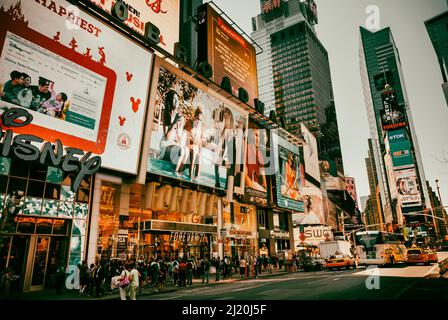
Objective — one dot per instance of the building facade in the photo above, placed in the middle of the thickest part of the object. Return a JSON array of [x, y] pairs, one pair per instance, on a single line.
[[437, 28], [395, 146]]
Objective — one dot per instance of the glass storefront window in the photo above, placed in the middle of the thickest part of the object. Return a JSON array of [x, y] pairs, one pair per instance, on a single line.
[[19, 168], [83, 195], [26, 225], [52, 191], [3, 183], [60, 227], [5, 166], [44, 226], [38, 172], [16, 184], [36, 189]]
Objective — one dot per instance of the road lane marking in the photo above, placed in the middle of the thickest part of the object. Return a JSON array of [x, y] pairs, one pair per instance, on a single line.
[[241, 289], [336, 279], [432, 269]]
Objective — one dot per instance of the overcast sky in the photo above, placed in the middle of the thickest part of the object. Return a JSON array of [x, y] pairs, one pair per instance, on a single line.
[[338, 29]]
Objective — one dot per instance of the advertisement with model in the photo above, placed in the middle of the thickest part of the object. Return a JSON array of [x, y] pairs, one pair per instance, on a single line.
[[408, 188], [310, 153], [196, 135], [289, 175], [393, 115], [65, 68]]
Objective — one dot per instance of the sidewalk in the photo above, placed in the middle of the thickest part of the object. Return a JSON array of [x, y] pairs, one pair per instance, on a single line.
[[50, 294]]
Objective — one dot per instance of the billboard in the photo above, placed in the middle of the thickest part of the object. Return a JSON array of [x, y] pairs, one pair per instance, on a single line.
[[314, 207], [164, 14], [408, 188], [400, 149], [289, 174], [310, 154], [196, 135], [393, 115], [391, 176], [66, 68], [258, 164], [351, 189], [312, 10], [229, 54]]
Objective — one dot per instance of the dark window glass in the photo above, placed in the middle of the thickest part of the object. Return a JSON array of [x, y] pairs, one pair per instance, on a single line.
[[35, 189], [38, 171], [3, 183], [83, 195], [43, 226], [67, 180], [19, 168], [16, 184], [60, 227], [85, 183], [26, 225], [52, 191]]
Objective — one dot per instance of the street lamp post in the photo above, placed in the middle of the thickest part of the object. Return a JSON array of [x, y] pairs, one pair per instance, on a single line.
[[441, 204]]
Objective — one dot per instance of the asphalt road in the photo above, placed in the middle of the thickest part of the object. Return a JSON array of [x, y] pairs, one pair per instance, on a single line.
[[401, 282]]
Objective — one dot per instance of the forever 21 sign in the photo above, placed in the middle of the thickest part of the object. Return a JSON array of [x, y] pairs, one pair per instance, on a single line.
[[52, 154]]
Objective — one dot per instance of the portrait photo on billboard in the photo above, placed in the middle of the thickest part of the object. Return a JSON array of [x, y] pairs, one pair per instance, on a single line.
[[393, 115], [258, 163], [290, 174], [195, 136], [408, 187], [314, 207], [65, 68]]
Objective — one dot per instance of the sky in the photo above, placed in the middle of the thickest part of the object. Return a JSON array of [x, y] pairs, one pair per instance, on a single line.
[[338, 30]]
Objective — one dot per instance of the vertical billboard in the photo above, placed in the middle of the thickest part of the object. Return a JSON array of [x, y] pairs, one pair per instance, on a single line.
[[393, 115], [164, 14], [66, 68], [258, 165], [229, 53], [400, 149], [391, 176], [289, 174], [196, 135], [408, 188], [310, 154], [314, 207], [351, 189]]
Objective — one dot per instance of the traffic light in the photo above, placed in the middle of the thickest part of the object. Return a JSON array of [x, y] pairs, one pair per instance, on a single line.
[[302, 229]]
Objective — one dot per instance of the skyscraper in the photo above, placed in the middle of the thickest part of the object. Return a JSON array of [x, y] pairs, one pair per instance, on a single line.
[[188, 34], [373, 210], [398, 162], [294, 73], [437, 28]]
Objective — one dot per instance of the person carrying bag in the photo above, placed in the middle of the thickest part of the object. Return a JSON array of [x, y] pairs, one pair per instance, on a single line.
[[124, 282]]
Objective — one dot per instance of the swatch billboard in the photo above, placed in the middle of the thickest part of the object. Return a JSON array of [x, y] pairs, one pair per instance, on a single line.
[[66, 69], [289, 175], [196, 135]]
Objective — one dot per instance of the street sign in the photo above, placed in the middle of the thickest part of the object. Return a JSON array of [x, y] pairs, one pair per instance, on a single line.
[[223, 233]]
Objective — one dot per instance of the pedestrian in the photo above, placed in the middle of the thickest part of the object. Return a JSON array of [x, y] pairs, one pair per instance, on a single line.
[[175, 272], [99, 279], [206, 270], [218, 269], [162, 273], [124, 290], [189, 272], [154, 270], [243, 265], [134, 282], [5, 282], [59, 278], [83, 278], [182, 273]]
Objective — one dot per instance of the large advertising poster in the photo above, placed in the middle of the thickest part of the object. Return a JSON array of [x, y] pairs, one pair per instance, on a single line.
[[164, 14], [400, 149], [314, 207], [310, 154], [196, 136], [258, 165], [408, 188], [391, 176], [229, 53], [393, 115], [66, 69], [289, 175]]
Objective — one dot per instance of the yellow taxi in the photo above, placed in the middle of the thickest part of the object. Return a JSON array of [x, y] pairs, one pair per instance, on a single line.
[[339, 262], [432, 256], [417, 255]]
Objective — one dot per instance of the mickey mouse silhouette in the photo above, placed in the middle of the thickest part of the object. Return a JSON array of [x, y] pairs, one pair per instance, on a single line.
[[135, 104], [122, 120]]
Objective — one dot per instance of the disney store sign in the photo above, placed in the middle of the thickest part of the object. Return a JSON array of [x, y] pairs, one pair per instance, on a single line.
[[23, 146]]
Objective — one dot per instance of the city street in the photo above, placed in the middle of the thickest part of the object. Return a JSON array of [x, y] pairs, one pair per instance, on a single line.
[[401, 282]]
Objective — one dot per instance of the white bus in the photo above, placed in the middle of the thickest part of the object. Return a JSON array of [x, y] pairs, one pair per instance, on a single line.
[[380, 248]]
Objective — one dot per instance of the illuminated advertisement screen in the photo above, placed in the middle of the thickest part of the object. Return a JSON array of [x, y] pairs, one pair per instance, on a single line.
[[228, 52], [164, 14], [258, 164], [393, 116], [66, 68], [408, 188], [289, 175], [196, 136], [400, 149]]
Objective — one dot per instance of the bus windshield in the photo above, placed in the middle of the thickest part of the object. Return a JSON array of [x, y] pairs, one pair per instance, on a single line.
[[377, 243]]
